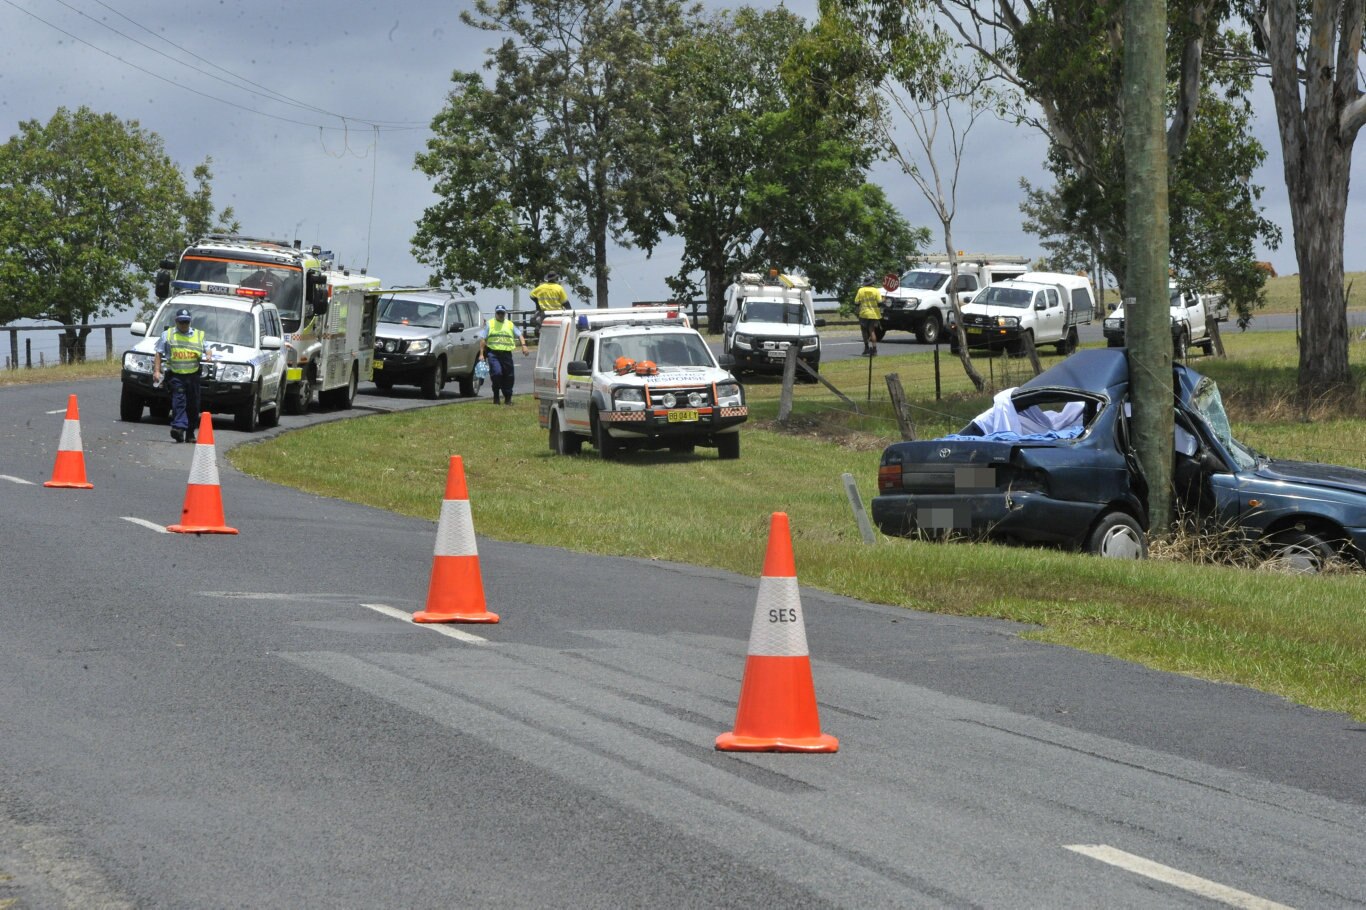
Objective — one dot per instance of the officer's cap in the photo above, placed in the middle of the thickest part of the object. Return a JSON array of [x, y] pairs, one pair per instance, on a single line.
[[500, 309], [182, 315]]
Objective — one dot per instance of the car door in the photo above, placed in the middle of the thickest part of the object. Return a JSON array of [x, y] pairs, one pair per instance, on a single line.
[[466, 337], [578, 390]]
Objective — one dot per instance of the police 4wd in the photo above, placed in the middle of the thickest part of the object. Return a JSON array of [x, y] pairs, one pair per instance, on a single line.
[[242, 331], [634, 378]]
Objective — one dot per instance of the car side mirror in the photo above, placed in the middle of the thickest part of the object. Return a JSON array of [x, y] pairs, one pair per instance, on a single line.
[[1211, 462], [820, 323], [578, 368], [163, 283], [271, 342], [138, 328], [725, 361]]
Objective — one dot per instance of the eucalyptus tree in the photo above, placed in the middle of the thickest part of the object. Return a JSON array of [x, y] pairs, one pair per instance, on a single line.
[[89, 205], [560, 158], [772, 124]]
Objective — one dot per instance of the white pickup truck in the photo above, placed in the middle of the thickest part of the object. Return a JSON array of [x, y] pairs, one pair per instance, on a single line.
[[1043, 307], [920, 301], [1189, 323]]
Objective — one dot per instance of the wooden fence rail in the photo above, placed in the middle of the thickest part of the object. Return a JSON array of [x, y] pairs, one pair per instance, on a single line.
[[63, 356]]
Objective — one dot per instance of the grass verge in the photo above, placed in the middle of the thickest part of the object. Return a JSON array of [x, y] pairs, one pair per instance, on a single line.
[[1301, 638], [91, 369]]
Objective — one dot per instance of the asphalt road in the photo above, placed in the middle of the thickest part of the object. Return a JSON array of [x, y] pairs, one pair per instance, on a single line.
[[223, 721]]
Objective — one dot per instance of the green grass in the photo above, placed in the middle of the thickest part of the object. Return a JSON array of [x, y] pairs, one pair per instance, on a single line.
[[1302, 638], [91, 369]]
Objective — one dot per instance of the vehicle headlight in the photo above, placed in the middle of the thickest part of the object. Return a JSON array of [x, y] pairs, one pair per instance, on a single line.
[[728, 393], [1114, 323], [1008, 322], [134, 362], [627, 395], [669, 400], [810, 343], [419, 346], [696, 399], [234, 372], [743, 341]]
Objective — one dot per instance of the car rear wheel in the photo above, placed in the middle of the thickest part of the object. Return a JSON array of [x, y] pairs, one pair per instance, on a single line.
[[130, 406], [1181, 346], [1117, 536], [1069, 344], [272, 418], [561, 442], [348, 394]]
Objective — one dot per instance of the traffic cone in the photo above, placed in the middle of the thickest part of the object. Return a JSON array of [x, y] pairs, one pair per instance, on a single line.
[[69, 471], [203, 510], [777, 711], [456, 591]]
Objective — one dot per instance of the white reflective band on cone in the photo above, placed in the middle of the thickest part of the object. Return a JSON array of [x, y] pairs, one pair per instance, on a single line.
[[779, 630], [203, 469], [455, 529], [71, 436]]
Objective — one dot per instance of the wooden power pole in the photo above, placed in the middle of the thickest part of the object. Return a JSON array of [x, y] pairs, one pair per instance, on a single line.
[[1148, 322]]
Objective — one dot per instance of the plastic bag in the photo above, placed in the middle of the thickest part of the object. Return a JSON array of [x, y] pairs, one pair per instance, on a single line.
[[481, 369]]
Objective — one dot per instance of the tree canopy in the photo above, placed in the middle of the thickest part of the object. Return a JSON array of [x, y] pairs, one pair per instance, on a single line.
[[89, 205]]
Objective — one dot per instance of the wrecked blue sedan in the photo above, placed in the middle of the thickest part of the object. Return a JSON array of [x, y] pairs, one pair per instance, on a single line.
[[1052, 463]]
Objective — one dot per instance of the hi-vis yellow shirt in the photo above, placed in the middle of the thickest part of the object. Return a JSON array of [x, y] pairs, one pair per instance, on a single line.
[[186, 350], [869, 303], [550, 296]]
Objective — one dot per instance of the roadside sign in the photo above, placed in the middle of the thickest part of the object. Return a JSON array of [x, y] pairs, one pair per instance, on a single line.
[[891, 281]]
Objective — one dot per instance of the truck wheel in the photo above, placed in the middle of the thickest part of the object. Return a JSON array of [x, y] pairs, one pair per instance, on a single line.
[[347, 396], [728, 446], [607, 447], [434, 380], [1017, 348], [1069, 344], [1181, 346], [272, 419], [467, 389], [928, 333], [301, 398], [879, 332], [1117, 536], [248, 416], [562, 443], [130, 406]]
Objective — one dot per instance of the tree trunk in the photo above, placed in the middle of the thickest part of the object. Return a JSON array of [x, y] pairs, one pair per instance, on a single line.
[[600, 269], [1318, 209], [716, 296], [964, 357]]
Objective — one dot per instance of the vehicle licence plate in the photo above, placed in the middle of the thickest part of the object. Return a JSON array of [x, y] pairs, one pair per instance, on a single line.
[[378, 364], [972, 331], [683, 416]]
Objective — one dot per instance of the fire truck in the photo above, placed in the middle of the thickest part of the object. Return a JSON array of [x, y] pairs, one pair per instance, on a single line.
[[328, 349]]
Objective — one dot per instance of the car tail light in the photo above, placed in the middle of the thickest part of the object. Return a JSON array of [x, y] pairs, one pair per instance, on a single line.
[[888, 478]]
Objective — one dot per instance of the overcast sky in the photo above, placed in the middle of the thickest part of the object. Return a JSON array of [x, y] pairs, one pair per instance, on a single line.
[[311, 168]]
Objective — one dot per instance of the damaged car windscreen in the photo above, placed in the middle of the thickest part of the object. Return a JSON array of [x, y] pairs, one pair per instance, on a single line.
[[1207, 402]]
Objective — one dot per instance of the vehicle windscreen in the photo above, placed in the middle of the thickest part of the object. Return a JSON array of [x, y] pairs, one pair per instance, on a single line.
[[923, 281], [397, 311], [224, 326], [997, 295], [1210, 406], [666, 350], [774, 311], [283, 284]]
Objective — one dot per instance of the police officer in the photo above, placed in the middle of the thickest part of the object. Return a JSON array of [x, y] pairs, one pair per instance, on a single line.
[[496, 343], [548, 295], [868, 302], [183, 348]]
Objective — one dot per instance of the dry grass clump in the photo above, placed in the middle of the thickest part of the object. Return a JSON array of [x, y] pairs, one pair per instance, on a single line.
[[1200, 541]]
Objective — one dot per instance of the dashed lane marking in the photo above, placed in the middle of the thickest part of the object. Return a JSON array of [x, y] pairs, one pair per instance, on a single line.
[[449, 631], [58, 411], [149, 525], [1175, 877], [16, 480]]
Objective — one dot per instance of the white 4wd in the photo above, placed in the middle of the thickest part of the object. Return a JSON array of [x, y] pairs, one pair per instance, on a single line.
[[1038, 307], [764, 317], [920, 301], [634, 378], [1189, 322]]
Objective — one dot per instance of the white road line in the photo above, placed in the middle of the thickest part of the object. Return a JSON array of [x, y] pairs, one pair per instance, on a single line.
[[58, 411], [1184, 880], [16, 480], [150, 525], [435, 627]]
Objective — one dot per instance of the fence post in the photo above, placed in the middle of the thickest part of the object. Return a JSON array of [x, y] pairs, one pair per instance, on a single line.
[[14, 348], [789, 379], [1027, 342], [900, 408], [109, 342], [1212, 329]]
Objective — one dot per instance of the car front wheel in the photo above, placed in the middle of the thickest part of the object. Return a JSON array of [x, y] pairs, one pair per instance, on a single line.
[[1117, 536], [130, 406], [1300, 552]]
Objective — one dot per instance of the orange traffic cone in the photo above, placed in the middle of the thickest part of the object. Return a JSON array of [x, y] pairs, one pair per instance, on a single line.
[[456, 591], [777, 711], [69, 471], [203, 510]]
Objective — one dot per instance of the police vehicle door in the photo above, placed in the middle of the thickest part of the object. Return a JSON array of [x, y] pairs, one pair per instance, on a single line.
[[578, 390]]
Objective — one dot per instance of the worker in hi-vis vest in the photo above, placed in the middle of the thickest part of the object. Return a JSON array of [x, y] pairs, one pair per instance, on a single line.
[[497, 340], [183, 349]]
